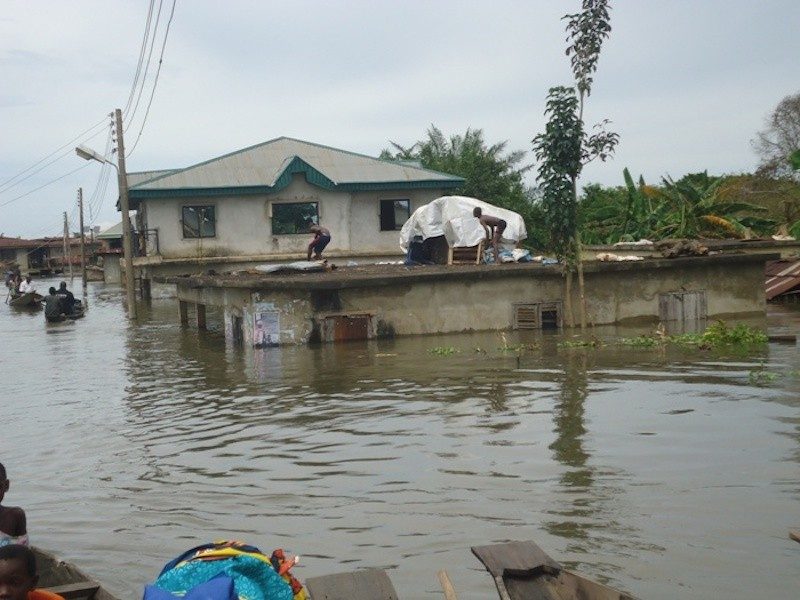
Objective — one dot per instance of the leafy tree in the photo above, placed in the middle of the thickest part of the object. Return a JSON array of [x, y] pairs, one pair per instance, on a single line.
[[779, 141], [565, 147], [615, 214], [692, 207], [490, 172]]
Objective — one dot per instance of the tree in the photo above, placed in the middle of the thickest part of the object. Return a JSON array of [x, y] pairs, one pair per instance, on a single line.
[[565, 147], [490, 172], [779, 141]]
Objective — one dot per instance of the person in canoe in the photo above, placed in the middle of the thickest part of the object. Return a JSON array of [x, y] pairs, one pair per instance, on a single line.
[[66, 297], [52, 306], [19, 575], [13, 526], [26, 286]]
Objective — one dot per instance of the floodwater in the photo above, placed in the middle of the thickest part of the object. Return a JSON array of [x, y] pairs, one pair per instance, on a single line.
[[667, 474]]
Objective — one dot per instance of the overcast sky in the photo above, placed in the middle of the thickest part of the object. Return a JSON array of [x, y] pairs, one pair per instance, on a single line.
[[687, 83]]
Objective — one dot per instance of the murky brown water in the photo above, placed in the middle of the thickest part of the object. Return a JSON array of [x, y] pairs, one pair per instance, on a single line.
[[665, 474]]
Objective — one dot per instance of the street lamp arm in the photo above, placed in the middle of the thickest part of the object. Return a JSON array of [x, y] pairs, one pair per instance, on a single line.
[[89, 154]]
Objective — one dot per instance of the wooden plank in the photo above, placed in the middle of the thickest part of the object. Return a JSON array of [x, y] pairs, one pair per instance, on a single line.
[[81, 589], [516, 559], [369, 584], [447, 585], [794, 534]]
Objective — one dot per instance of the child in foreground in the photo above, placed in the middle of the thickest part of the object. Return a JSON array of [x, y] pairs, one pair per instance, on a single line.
[[13, 527], [18, 575]]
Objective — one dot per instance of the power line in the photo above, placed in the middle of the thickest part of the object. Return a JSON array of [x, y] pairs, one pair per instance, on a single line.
[[147, 65], [155, 81], [141, 56], [44, 185], [6, 183]]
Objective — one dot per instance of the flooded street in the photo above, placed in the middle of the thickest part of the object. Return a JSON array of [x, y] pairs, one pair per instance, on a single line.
[[664, 473]]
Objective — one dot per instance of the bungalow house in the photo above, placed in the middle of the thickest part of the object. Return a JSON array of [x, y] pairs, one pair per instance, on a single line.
[[256, 205]]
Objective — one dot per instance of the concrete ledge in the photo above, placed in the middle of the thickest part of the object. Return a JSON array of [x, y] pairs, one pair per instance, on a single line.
[[388, 275]]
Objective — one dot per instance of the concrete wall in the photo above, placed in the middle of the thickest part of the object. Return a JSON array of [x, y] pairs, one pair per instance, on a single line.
[[112, 273], [616, 293], [243, 224]]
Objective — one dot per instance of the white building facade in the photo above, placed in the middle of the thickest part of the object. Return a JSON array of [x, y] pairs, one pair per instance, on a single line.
[[256, 205]]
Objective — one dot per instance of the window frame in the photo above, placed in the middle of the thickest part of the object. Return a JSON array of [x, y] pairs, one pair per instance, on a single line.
[[200, 235], [397, 226], [272, 207]]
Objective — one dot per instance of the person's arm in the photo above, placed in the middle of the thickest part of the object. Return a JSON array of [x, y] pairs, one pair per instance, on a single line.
[[311, 247]]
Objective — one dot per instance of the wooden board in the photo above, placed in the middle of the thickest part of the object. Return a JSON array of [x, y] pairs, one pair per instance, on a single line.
[[523, 571], [521, 559], [370, 584], [794, 534]]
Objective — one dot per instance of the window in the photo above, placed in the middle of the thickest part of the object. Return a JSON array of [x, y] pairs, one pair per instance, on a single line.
[[394, 213], [294, 217], [199, 222]]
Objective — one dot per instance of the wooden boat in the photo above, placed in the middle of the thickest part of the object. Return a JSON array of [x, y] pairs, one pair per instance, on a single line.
[[26, 300], [68, 580], [522, 570], [78, 312]]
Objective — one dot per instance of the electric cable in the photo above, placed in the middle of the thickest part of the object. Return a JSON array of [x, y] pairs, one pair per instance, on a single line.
[[57, 150], [155, 81]]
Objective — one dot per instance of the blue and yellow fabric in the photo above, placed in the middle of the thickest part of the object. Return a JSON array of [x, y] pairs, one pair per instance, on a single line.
[[220, 571]]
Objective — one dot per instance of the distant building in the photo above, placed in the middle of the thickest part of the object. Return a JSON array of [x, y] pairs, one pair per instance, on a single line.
[[256, 205], [43, 255]]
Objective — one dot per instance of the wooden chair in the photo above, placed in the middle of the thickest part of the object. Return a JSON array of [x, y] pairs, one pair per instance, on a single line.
[[468, 255]]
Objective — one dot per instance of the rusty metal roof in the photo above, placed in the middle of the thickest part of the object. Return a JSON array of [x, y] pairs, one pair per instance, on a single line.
[[265, 167], [782, 276]]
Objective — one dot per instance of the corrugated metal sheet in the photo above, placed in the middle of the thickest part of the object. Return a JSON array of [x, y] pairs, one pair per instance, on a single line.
[[782, 276], [138, 177], [113, 232], [263, 165]]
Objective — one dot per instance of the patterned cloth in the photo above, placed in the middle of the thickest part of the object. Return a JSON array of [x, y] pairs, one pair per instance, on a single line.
[[7, 540], [254, 579]]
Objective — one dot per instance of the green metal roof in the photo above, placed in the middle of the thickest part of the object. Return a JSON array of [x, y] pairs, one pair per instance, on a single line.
[[113, 232], [268, 168]]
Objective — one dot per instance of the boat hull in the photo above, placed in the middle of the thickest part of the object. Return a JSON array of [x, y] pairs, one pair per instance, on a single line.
[[64, 577], [26, 300]]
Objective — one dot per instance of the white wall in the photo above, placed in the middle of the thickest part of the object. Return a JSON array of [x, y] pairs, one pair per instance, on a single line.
[[243, 225]]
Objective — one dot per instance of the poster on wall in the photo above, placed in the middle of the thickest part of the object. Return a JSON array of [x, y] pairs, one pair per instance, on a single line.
[[266, 326]]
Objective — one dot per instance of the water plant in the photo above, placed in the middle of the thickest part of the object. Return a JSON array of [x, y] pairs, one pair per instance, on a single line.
[[719, 334], [443, 350], [592, 342], [760, 375]]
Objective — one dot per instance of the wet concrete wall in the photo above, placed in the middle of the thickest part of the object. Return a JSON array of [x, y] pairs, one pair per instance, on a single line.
[[483, 298]]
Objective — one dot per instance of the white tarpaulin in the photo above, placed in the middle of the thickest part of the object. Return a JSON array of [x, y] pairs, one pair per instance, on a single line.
[[451, 216]]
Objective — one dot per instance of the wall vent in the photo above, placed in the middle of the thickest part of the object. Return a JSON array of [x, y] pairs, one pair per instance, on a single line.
[[537, 315]]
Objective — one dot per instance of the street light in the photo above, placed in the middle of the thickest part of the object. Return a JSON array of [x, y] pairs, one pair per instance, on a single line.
[[122, 179]]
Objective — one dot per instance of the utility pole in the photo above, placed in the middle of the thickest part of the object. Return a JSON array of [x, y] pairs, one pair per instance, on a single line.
[[127, 246], [67, 256], [83, 242]]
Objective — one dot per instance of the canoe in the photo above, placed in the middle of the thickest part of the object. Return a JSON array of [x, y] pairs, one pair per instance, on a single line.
[[68, 580], [78, 312], [522, 571], [27, 300]]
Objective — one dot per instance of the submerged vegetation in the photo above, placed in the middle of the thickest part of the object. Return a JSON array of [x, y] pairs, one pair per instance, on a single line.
[[718, 335]]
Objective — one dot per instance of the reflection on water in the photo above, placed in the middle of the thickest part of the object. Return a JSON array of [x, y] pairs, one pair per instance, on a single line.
[[649, 469]]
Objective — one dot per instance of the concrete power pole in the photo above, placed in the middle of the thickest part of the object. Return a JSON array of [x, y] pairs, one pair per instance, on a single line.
[[67, 256], [83, 242], [127, 245]]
